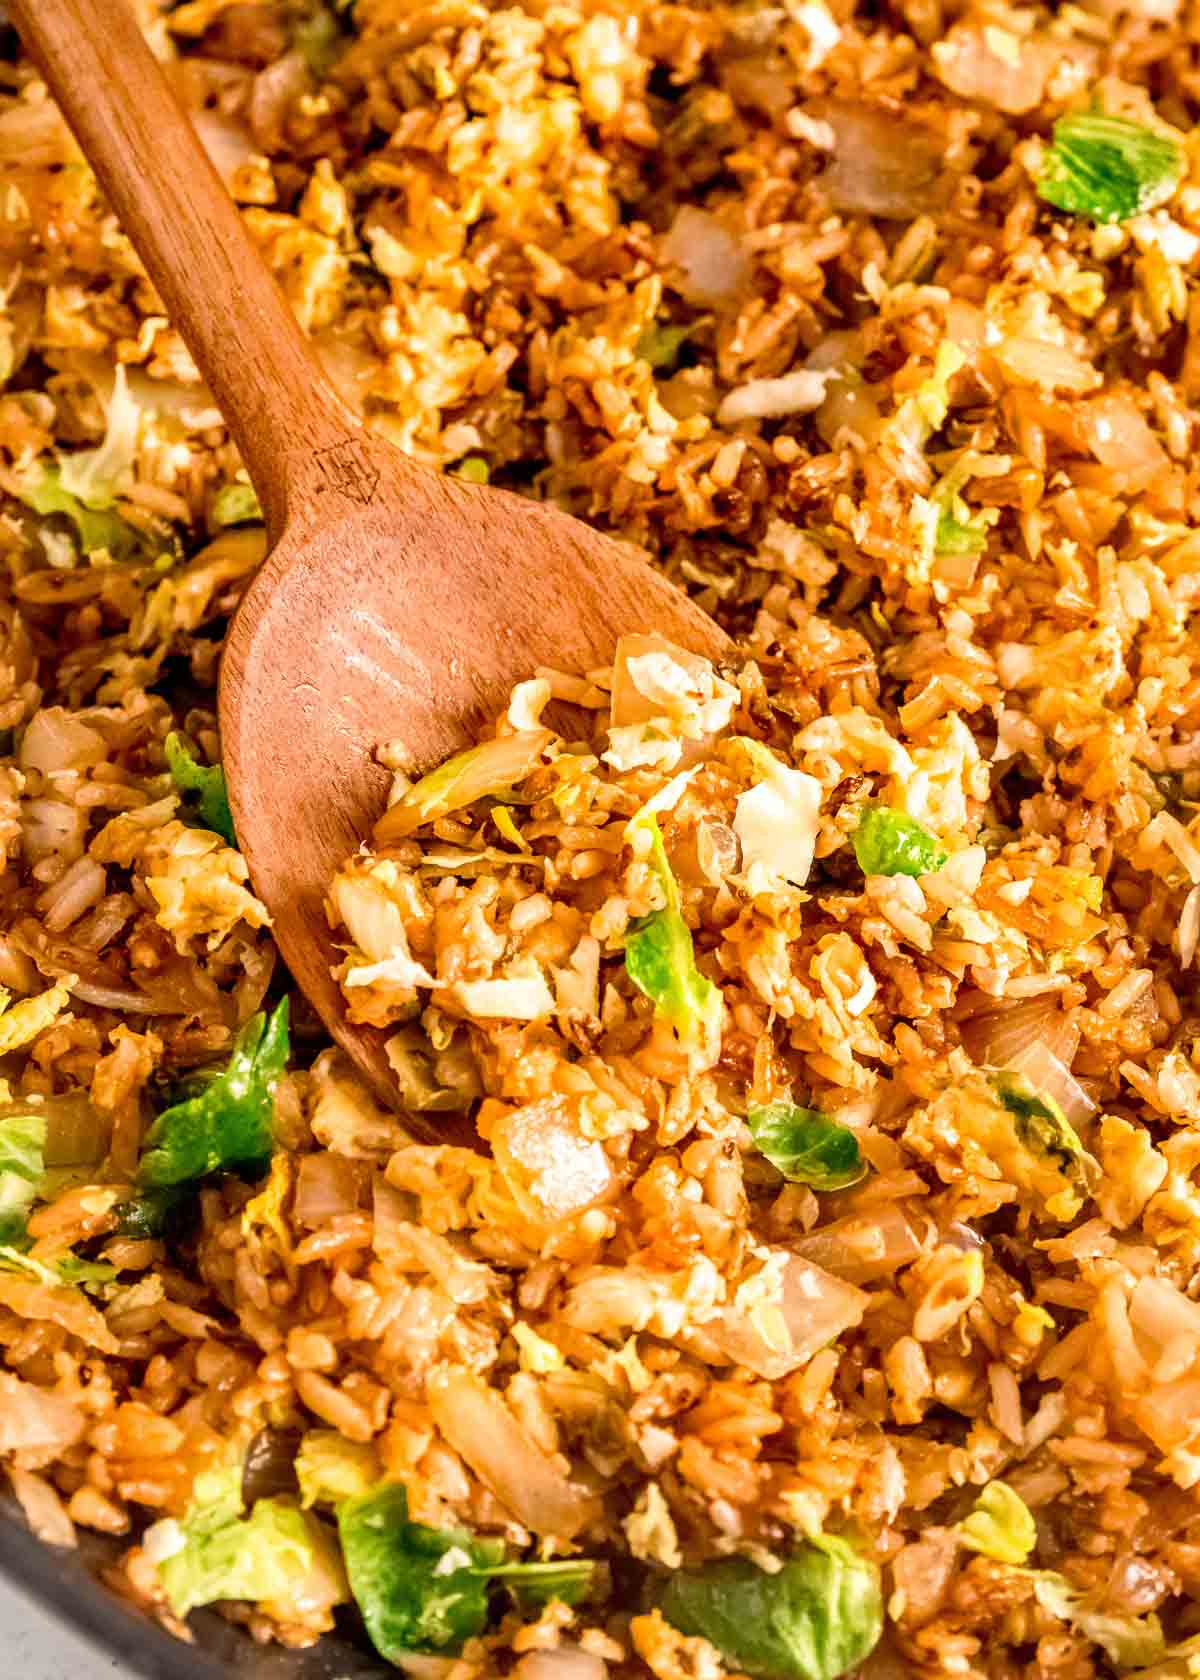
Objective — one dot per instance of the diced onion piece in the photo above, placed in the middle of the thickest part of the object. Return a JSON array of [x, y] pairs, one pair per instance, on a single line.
[[226, 142], [1052, 367], [55, 740], [997, 1036], [565, 1662], [712, 266], [468, 776], [1121, 440], [1160, 1315], [327, 1187], [1048, 1078], [482, 1430], [798, 392], [773, 1337], [881, 165], [35, 1420], [520, 995], [43, 1508], [552, 1170], [418, 1666], [985, 62], [864, 1246]]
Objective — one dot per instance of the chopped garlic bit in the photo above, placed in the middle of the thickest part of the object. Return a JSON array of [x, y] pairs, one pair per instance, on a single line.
[[537, 1354]]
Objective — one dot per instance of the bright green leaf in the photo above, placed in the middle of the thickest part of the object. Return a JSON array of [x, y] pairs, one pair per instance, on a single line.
[[660, 958], [1108, 168], [888, 842], [427, 1589], [805, 1146], [206, 783], [416, 1586], [227, 1126], [815, 1619]]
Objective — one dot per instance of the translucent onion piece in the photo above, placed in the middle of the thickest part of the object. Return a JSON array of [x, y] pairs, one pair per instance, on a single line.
[[480, 1427], [33, 1420], [1047, 1077], [711, 265], [774, 1337], [43, 1508], [327, 1187], [881, 165], [995, 1036], [468, 776], [865, 1246]]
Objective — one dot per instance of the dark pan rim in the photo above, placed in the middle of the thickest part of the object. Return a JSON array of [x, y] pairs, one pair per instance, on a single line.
[[64, 1584]]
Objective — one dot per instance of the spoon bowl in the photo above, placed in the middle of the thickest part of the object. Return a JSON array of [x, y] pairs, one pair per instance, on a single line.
[[405, 612], [397, 604]]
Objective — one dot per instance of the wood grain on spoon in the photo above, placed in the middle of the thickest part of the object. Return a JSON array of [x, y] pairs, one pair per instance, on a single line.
[[396, 603]]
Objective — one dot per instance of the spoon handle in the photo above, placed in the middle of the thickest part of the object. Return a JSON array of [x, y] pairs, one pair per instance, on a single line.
[[174, 207]]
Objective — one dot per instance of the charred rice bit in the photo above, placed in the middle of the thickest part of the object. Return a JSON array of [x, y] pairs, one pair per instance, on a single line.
[[813, 1040]]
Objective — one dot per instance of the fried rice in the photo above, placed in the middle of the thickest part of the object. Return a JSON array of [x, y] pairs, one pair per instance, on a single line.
[[814, 1041]]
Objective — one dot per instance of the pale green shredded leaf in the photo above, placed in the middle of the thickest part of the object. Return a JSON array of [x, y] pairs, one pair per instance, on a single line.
[[22, 1163], [1108, 168], [64, 1269], [97, 530], [97, 476], [957, 533], [236, 504], [205, 783], [330, 1468], [1001, 1526], [474, 469], [660, 958], [481, 772], [20, 1023], [1129, 1641], [225, 1556], [660, 346]]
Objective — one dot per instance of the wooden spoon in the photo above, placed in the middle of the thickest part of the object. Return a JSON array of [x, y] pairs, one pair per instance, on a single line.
[[397, 603]]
